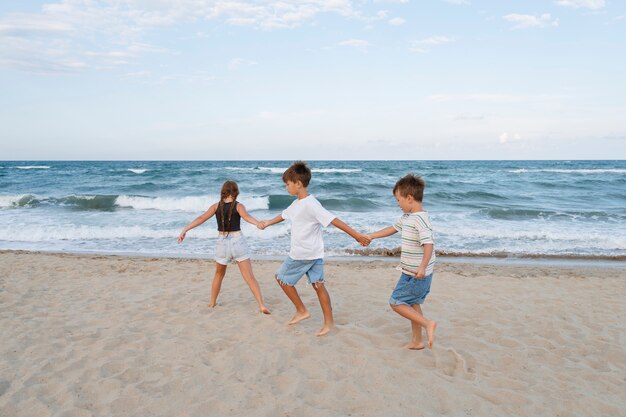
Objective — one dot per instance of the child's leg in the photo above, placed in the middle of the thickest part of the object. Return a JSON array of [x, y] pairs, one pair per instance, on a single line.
[[327, 308], [409, 313], [301, 312], [416, 341], [245, 267], [220, 271]]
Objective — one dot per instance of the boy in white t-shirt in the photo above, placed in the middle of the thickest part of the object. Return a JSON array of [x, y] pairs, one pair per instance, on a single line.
[[306, 255]]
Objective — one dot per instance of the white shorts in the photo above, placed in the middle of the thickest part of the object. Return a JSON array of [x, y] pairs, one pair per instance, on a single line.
[[231, 247]]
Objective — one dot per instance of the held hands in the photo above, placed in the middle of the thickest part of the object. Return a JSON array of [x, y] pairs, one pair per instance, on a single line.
[[261, 225], [364, 240]]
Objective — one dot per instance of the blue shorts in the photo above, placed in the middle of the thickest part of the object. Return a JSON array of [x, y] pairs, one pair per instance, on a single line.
[[410, 290], [231, 247], [292, 270]]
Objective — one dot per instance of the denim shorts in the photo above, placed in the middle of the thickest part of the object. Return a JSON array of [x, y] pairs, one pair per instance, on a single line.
[[292, 270], [231, 247], [410, 290]]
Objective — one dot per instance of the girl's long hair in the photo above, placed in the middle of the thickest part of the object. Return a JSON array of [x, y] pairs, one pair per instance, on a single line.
[[229, 189]]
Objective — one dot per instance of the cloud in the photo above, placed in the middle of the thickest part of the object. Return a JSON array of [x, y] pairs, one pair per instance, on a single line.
[[44, 65], [525, 21], [272, 14], [389, 143], [356, 43], [621, 137], [433, 40], [421, 44], [138, 74], [25, 24], [381, 14], [505, 137], [495, 98], [70, 35], [458, 2], [587, 4], [236, 63], [471, 117], [398, 21]]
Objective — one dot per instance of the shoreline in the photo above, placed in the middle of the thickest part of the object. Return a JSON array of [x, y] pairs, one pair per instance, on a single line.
[[496, 260]]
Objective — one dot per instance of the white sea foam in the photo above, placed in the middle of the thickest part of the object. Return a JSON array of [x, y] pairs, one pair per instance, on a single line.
[[33, 167], [256, 203], [137, 170], [495, 232], [326, 170], [190, 204], [279, 170], [571, 171], [69, 232], [10, 200], [530, 239], [273, 170], [269, 233], [48, 233]]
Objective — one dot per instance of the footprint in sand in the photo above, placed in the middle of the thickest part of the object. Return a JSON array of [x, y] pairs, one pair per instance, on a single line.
[[452, 363], [112, 368]]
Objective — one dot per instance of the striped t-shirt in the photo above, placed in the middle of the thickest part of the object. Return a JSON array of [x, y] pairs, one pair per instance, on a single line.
[[416, 231]]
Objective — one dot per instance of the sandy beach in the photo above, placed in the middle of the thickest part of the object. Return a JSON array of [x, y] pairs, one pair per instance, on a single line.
[[91, 335]]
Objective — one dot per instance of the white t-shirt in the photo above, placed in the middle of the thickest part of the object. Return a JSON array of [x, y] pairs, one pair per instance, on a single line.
[[307, 217]]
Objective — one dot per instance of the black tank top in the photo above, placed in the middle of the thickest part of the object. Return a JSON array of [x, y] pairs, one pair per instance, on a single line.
[[224, 224]]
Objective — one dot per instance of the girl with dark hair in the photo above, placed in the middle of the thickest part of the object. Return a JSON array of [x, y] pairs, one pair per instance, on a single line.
[[231, 244]]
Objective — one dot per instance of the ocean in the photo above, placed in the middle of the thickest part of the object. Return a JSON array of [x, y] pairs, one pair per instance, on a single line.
[[569, 209]]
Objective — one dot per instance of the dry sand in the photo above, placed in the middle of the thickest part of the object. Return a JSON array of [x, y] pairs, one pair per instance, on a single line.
[[88, 335]]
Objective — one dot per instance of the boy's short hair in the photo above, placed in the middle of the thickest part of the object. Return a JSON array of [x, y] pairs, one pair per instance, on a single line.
[[412, 185], [298, 171]]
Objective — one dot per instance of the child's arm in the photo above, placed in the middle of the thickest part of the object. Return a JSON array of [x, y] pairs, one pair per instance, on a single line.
[[428, 252], [387, 231], [198, 221], [241, 209], [362, 239], [264, 223]]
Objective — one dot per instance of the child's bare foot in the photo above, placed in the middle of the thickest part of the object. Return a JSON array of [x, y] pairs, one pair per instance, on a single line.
[[212, 304], [298, 317], [430, 332], [325, 329], [414, 345], [264, 310]]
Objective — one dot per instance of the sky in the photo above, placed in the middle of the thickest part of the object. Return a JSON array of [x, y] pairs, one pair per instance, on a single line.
[[312, 79]]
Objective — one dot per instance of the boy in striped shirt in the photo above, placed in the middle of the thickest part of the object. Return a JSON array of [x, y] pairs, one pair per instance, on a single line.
[[416, 260]]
